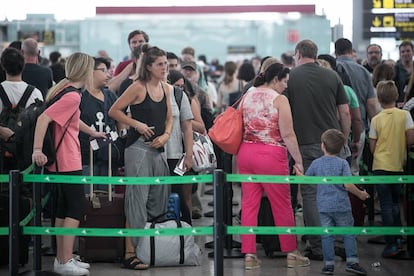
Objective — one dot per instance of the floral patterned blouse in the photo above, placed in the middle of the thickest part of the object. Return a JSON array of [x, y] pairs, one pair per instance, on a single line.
[[261, 118]]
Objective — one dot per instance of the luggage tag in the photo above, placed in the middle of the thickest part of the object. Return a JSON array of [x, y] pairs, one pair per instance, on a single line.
[[98, 143]]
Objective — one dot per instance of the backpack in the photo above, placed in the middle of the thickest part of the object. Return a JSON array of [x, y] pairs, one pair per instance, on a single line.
[[178, 94], [343, 74], [26, 127], [8, 118]]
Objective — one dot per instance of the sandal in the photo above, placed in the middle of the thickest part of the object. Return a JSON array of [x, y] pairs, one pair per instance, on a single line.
[[251, 262], [134, 263], [297, 260]]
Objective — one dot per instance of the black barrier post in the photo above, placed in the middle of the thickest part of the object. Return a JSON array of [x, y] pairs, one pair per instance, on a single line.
[[37, 250], [218, 226], [15, 180]]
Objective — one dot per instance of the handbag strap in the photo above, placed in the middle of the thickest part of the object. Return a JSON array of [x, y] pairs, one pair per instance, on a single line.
[[152, 244]]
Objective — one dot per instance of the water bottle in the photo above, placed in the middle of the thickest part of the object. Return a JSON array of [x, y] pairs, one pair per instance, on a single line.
[[173, 206]]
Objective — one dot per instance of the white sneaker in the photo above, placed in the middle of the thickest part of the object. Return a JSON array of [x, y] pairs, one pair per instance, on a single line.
[[56, 265], [79, 262], [70, 268]]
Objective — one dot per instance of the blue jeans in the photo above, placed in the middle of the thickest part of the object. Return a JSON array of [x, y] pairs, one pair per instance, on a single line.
[[389, 197], [328, 246]]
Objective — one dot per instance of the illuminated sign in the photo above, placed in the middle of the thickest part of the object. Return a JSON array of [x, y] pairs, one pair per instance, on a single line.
[[388, 18]]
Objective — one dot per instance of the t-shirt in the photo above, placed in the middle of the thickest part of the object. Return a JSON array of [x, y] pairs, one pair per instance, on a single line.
[[175, 142], [352, 97], [68, 155], [15, 91], [121, 66], [389, 128], [39, 76], [330, 197], [314, 93], [93, 114]]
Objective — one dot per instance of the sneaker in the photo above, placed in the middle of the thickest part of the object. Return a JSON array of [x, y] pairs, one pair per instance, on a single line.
[[390, 251], [356, 268], [56, 265], [79, 262], [328, 270], [400, 244], [70, 268]]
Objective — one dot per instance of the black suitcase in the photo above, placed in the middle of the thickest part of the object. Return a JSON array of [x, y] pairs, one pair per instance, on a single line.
[[270, 243], [102, 210], [24, 205]]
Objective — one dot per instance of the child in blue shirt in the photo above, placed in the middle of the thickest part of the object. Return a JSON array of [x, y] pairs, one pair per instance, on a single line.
[[333, 201]]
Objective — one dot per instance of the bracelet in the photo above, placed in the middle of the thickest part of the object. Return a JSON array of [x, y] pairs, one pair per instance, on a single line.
[[37, 150]]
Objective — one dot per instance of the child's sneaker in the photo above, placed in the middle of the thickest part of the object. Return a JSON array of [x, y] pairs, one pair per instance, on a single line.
[[390, 251], [328, 270], [356, 268]]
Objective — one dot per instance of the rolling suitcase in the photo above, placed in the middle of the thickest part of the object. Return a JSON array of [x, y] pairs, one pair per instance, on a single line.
[[270, 243], [102, 210]]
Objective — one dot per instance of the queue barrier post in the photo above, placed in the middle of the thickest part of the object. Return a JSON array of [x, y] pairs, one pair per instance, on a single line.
[[218, 226], [15, 180]]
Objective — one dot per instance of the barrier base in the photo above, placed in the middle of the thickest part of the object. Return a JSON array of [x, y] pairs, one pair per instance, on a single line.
[[229, 253]]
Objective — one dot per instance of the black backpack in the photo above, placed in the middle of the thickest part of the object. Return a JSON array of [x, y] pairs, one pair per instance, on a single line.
[[26, 129], [9, 118]]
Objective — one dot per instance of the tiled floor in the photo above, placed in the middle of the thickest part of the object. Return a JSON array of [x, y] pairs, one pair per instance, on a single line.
[[368, 253]]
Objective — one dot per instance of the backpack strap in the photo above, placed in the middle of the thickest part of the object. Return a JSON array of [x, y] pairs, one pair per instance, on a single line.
[[178, 94], [23, 100], [26, 95], [4, 98]]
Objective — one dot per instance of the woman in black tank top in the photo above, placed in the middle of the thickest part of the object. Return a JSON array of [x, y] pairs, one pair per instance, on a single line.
[[150, 125]]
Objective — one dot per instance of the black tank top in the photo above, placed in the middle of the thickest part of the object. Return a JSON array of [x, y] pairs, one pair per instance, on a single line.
[[150, 112]]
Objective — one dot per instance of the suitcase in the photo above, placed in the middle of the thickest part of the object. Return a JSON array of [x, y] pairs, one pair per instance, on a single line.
[[102, 210], [24, 205], [270, 243]]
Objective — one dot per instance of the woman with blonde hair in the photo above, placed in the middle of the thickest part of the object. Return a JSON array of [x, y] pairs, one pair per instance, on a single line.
[[64, 115]]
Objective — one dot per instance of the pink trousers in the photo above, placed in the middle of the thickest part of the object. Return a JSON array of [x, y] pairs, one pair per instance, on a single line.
[[268, 160]]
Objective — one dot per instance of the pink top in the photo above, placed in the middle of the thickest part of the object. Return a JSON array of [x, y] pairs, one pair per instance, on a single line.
[[261, 118], [68, 154]]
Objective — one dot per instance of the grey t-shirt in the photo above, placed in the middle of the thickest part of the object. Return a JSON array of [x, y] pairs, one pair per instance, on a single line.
[[174, 147]]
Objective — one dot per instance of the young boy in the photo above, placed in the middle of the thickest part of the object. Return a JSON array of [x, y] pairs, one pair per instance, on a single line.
[[390, 132], [333, 201]]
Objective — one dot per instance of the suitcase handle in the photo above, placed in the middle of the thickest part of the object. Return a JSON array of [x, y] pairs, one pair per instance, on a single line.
[[91, 195]]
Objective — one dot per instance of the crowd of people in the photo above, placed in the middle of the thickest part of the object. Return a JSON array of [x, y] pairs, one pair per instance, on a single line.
[[303, 114]]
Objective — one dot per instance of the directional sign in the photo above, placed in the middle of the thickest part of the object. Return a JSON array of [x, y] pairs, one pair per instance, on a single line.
[[388, 18], [388, 4]]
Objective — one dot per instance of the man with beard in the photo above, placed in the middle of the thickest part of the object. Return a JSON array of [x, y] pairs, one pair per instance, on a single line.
[[374, 57]]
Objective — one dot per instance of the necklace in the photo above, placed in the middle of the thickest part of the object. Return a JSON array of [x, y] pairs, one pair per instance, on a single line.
[[155, 94]]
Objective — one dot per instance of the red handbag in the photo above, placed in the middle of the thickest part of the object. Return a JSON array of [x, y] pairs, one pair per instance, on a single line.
[[227, 130]]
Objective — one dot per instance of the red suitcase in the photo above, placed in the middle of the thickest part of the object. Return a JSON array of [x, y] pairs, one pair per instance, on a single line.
[[102, 210]]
